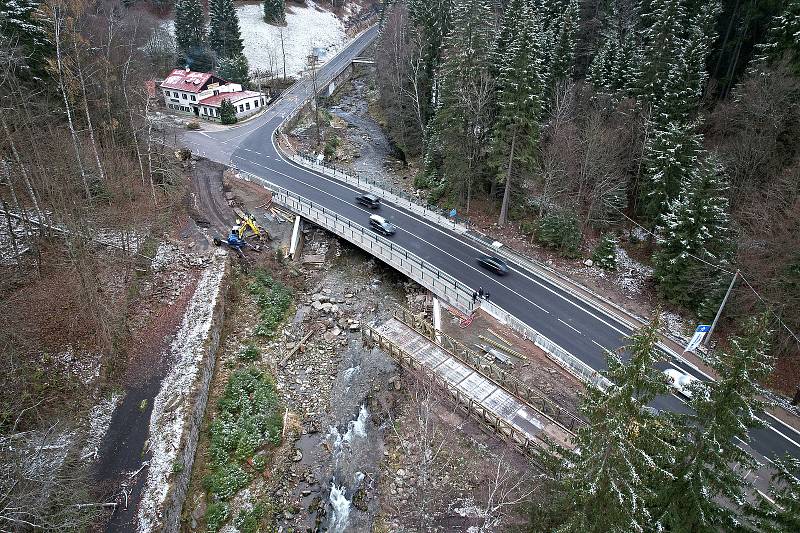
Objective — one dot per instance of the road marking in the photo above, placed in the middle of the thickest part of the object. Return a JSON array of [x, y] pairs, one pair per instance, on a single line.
[[479, 271], [601, 346], [570, 327]]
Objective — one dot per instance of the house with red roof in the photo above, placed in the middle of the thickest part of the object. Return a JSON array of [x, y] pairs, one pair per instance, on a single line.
[[202, 93]]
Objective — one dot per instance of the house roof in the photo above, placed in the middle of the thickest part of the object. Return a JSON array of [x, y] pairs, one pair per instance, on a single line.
[[186, 80], [216, 100]]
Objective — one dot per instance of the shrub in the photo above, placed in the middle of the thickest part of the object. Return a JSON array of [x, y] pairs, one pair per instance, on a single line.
[[273, 300], [227, 113], [605, 255], [225, 481], [193, 125], [527, 228], [437, 193], [216, 514], [330, 148], [248, 417], [560, 230], [250, 353], [248, 521], [260, 462]]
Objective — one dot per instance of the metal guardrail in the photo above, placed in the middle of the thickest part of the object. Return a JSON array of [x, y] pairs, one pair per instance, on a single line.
[[393, 195], [445, 286], [440, 283], [481, 364], [569, 362]]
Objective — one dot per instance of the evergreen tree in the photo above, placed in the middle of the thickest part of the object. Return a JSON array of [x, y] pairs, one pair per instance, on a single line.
[[783, 512], [224, 35], [605, 255], [430, 22], [664, 22], [520, 89], [608, 481], [613, 69], [562, 54], [783, 38], [274, 11], [463, 77], [711, 461], [235, 69], [22, 29], [696, 227], [671, 154], [227, 112], [190, 32]]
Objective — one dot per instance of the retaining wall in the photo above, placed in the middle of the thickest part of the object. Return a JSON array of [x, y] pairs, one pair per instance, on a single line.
[[180, 405]]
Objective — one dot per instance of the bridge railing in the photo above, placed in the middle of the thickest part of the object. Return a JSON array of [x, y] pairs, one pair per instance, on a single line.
[[448, 288], [392, 194], [443, 285]]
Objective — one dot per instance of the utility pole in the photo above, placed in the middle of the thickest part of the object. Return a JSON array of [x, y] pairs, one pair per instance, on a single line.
[[721, 306]]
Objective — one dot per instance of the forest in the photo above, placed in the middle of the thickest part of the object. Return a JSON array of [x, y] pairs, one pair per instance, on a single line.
[[586, 119]]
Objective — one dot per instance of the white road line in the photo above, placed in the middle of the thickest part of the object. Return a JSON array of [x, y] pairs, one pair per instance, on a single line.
[[601, 346], [570, 327], [479, 271], [440, 230]]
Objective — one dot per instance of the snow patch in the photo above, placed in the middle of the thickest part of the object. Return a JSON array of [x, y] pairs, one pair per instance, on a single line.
[[674, 324], [307, 28], [170, 417], [84, 365], [99, 422], [631, 274]]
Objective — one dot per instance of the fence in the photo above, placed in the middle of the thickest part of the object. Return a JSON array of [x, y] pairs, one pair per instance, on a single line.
[[534, 398]]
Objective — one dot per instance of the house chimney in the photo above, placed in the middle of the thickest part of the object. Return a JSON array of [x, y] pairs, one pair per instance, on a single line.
[[187, 69]]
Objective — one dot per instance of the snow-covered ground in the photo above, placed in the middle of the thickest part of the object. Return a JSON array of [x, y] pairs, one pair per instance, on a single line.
[[307, 28]]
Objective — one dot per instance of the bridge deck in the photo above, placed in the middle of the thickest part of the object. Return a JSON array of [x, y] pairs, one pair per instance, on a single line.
[[479, 388]]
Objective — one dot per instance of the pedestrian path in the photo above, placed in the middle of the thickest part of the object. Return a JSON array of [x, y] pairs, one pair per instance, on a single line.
[[513, 417]]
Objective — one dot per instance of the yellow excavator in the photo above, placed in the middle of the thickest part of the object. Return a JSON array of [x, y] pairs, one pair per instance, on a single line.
[[246, 226]]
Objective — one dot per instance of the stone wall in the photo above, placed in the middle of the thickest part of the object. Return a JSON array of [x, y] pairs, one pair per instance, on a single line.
[[179, 407]]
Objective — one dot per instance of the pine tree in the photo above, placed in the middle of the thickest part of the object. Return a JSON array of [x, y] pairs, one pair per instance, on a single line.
[[227, 112], [562, 54], [609, 482], [224, 35], [697, 226], [430, 23], [520, 93], [235, 69], [783, 38], [22, 28], [664, 24], [190, 31], [670, 156], [614, 68], [783, 512], [463, 77], [274, 11], [605, 255], [711, 461]]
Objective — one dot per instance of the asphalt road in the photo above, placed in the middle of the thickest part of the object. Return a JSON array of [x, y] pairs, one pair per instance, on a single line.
[[564, 319]]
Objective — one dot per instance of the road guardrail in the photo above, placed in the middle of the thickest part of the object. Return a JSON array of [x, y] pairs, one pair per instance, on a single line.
[[443, 285]]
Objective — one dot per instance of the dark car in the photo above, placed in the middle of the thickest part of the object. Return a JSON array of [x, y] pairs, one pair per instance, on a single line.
[[381, 225], [495, 264], [369, 200]]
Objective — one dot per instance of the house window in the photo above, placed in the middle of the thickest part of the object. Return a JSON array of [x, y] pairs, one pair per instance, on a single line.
[[184, 96], [247, 106], [255, 104], [241, 108], [193, 98]]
